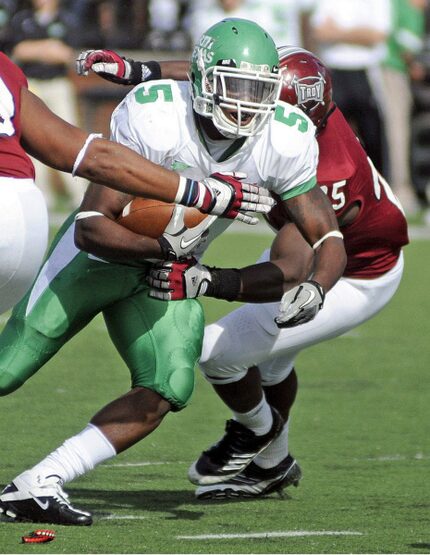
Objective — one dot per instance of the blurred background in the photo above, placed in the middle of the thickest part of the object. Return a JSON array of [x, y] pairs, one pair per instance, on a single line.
[[381, 45]]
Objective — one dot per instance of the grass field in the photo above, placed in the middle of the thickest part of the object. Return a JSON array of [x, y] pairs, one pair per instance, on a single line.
[[360, 430]]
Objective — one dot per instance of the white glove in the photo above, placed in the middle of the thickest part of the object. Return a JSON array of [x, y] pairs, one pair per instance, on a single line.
[[178, 240], [300, 305]]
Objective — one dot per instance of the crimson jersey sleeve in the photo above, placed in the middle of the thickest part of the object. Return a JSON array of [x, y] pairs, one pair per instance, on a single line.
[[345, 173], [14, 162]]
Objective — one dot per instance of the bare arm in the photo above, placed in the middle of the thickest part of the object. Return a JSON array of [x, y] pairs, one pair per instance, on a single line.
[[57, 144], [314, 216], [103, 236], [177, 70]]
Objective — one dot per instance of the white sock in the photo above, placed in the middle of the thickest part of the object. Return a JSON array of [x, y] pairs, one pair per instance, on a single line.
[[259, 419], [75, 457], [276, 452]]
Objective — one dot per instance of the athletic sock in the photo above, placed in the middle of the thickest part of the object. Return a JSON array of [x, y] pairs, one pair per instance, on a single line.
[[78, 455], [259, 419], [276, 451]]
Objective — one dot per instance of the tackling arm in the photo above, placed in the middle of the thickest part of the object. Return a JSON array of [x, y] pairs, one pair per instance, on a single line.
[[315, 218], [63, 146], [57, 144], [125, 71]]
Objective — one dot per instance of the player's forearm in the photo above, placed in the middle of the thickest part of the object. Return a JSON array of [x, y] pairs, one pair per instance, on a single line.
[[177, 70], [266, 282], [330, 262], [103, 237], [315, 218], [259, 283], [116, 166]]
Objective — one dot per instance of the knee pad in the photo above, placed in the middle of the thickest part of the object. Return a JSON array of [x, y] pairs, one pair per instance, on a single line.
[[178, 388], [272, 372], [215, 347], [220, 376]]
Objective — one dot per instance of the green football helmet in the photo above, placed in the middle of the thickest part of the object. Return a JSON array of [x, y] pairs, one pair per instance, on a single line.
[[234, 76]]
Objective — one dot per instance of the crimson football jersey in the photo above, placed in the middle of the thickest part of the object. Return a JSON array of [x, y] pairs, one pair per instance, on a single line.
[[345, 173], [14, 162]]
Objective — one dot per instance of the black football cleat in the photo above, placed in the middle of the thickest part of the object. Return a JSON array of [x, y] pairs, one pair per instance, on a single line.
[[233, 452], [46, 502], [255, 481]]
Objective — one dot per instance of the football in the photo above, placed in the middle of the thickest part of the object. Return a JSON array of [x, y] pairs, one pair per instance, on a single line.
[[150, 217]]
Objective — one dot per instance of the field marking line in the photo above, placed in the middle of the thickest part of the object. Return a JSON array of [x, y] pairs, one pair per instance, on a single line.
[[122, 517], [394, 458], [144, 463], [264, 535]]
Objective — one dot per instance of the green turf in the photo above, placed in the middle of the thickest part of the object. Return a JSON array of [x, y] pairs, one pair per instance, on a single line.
[[360, 430]]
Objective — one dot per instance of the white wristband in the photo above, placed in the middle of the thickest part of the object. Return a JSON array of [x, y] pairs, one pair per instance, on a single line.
[[83, 150], [333, 233], [87, 214]]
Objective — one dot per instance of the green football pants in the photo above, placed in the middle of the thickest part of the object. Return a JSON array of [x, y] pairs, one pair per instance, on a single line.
[[159, 341]]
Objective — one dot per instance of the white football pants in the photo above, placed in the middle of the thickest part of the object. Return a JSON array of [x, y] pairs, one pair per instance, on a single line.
[[249, 336], [23, 237]]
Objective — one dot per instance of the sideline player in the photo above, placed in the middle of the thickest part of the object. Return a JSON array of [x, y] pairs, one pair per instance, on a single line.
[[235, 90], [27, 125], [247, 358]]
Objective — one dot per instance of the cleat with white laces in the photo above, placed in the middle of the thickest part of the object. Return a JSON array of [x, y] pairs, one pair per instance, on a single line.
[[23, 500], [233, 452], [254, 481]]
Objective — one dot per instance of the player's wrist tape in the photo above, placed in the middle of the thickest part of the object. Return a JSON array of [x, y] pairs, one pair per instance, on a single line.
[[83, 151], [143, 71], [188, 192], [225, 284], [333, 233]]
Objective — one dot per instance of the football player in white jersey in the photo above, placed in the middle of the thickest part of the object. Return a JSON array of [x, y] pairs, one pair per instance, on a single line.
[[231, 122]]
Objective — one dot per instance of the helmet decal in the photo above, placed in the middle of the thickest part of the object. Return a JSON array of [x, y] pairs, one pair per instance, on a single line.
[[306, 83], [309, 89], [235, 77]]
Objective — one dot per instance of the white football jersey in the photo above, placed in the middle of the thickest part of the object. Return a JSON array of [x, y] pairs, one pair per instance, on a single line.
[[156, 119]]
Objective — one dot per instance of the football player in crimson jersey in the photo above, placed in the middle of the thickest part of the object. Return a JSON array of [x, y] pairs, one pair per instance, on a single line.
[[26, 124], [246, 356], [231, 121]]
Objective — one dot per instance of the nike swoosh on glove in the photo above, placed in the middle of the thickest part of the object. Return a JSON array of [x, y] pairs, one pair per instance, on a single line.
[[300, 305]]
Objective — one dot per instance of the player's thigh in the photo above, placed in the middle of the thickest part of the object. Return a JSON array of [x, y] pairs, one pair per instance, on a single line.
[[350, 303], [23, 238], [237, 341], [160, 342]]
